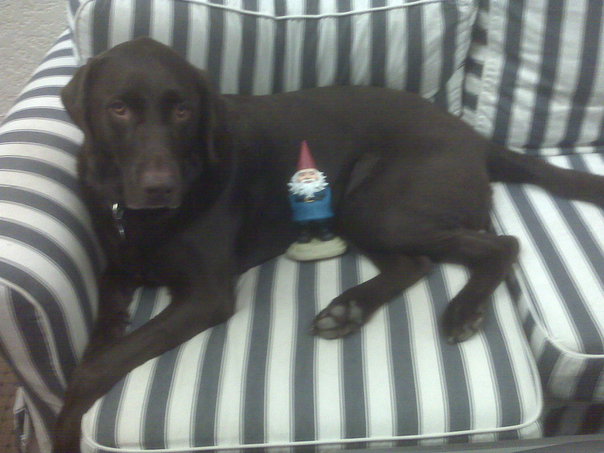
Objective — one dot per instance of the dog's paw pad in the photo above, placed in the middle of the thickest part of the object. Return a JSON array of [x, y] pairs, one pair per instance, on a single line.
[[460, 325], [339, 319]]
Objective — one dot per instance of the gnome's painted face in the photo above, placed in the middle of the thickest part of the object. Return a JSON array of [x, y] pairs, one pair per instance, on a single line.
[[308, 175], [307, 182]]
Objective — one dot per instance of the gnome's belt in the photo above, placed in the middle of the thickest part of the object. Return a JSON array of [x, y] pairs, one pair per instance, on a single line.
[[311, 199]]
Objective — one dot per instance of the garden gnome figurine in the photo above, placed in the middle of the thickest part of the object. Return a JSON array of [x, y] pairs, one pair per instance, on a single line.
[[310, 199]]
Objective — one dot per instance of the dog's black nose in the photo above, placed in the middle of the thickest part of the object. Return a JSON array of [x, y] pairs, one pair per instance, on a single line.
[[158, 187]]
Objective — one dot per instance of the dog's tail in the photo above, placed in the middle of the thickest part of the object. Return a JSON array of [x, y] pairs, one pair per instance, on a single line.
[[509, 166]]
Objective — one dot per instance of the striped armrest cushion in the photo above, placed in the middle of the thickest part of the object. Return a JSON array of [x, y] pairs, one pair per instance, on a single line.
[[561, 272], [268, 46], [49, 257], [533, 83], [535, 75]]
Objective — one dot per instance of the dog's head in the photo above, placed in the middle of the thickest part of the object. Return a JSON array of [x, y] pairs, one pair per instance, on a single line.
[[148, 118]]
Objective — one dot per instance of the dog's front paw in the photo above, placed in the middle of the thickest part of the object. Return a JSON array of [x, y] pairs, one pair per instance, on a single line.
[[460, 322], [340, 318]]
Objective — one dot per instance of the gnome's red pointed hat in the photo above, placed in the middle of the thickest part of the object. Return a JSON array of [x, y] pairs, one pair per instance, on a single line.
[[306, 160]]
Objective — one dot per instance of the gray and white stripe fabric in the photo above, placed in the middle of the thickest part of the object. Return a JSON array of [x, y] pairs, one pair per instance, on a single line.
[[536, 81], [560, 273], [261, 380], [269, 46]]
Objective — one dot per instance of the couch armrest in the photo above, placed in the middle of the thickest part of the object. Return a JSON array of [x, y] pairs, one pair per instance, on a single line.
[[49, 257]]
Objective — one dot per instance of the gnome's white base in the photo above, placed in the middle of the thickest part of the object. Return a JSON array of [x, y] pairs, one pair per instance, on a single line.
[[316, 249]]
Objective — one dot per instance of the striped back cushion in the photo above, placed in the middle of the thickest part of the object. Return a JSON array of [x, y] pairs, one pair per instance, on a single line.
[[536, 81], [268, 46]]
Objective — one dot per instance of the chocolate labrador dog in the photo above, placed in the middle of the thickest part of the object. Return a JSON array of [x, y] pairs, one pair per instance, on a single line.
[[187, 188]]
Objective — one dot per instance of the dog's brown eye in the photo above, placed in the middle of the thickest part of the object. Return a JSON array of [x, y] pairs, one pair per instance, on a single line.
[[182, 112], [119, 108]]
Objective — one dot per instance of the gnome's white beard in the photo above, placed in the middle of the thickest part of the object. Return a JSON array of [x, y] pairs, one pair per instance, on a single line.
[[307, 188]]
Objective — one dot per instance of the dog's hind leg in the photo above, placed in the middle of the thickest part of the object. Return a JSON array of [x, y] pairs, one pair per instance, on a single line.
[[350, 310], [410, 233], [489, 258]]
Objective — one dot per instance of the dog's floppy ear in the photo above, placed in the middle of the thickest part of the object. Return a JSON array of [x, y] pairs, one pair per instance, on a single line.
[[73, 95], [210, 106]]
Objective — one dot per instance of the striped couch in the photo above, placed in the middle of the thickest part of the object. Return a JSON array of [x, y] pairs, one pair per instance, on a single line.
[[526, 73]]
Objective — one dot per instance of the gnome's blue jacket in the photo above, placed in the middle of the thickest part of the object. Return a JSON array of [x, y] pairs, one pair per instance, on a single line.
[[317, 207]]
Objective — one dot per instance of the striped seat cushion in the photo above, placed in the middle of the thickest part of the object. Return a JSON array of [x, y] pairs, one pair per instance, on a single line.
[[262, 380], [561, 273], [535, 81], [269, 46]]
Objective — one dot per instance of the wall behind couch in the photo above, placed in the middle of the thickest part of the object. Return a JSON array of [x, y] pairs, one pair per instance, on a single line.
[[27, 30]]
